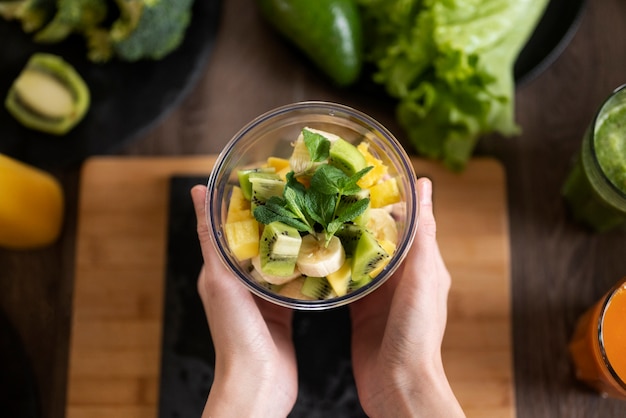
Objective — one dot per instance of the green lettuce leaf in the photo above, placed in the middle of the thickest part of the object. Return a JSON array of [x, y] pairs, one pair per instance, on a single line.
[[450, 65]]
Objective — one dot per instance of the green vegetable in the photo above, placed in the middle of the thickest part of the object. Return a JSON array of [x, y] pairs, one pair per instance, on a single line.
[[48, 95], [100, 40], [450, 65], [33, 14], [159, 29], [327, 31], [320, 204], [72, 16], [138, 29], [9, 9]]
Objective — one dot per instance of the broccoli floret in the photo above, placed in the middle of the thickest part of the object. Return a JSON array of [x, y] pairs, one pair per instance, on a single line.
[[100, 40], [32, 14], [99, 47], [73, 16], [130, 12], [160, 29], [9, 9]]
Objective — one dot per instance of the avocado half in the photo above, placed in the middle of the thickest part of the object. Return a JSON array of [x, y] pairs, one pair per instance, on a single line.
[[48, 95]]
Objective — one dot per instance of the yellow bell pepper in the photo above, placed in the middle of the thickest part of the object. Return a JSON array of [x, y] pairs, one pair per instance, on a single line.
[[31, 205]]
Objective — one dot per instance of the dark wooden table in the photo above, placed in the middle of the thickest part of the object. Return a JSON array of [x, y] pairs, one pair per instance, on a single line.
[[558, 268]]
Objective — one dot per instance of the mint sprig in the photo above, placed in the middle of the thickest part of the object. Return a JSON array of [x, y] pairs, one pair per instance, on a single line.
[[321, 204]]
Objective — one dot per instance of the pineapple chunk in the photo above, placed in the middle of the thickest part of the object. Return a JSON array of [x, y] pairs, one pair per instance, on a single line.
[[238, 207], [243, 238], [340, 279], [375, 174], [279, 164], [239, 215], [385, 193], [388, 246]]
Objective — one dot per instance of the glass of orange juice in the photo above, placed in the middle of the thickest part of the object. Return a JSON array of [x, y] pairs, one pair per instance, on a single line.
[[598, 346]]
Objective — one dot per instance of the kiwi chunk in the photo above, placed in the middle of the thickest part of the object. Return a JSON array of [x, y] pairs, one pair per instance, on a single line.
[[48, 95], [264, 186], [316, 288], [349, 235], [346, 157], [279, 248], [244, 178], [368, 256]]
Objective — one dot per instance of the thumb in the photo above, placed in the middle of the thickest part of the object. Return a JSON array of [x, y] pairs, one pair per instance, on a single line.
[[228, 305]]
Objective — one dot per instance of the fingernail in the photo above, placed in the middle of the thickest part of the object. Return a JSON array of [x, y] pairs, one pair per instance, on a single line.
[[426, 191]]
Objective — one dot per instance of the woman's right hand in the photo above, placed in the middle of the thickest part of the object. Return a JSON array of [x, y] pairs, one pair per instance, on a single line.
[[397, 332]]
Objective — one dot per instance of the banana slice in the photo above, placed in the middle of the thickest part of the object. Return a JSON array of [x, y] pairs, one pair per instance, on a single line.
[[300, 160], [316, 260], [382, 225], [328, 135], [278, 280]]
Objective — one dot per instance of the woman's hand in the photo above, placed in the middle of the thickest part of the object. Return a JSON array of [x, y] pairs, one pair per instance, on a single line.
[[255, 362], [398, 329]]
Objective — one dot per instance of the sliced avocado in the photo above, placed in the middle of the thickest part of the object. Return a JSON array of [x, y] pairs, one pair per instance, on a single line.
[[48, 95]]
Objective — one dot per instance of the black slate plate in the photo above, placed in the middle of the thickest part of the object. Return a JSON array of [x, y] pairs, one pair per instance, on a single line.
[[553, 33], [127, 98], [322, 339], [18, 390]]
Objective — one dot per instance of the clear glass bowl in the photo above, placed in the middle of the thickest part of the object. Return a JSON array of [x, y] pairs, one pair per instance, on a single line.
[[271, 134]]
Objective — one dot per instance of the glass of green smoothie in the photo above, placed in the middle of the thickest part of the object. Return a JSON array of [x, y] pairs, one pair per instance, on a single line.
[[595, 190]]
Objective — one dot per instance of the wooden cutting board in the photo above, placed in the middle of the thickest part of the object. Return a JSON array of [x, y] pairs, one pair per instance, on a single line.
[[115, 347]]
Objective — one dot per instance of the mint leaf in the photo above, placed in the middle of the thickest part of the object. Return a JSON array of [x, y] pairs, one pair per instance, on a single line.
[[294, 195], [275, 210], [347, 211], [317, 145], [331, 180], [359, 174], [327, 179], [321, 207], [332, 228]]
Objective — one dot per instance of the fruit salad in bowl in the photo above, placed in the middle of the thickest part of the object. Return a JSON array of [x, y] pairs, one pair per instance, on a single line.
[[312, 205]]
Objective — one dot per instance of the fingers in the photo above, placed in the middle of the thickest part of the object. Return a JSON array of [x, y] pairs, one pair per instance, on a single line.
[[215, 275], [424, 254], [427, 227], [370, 306], [230, 308], [218, 289], [424, 271], [198, 196], [428, 258]]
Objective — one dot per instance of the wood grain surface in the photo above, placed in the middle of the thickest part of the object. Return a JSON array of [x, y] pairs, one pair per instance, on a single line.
[[120, 271], [558, 269]]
